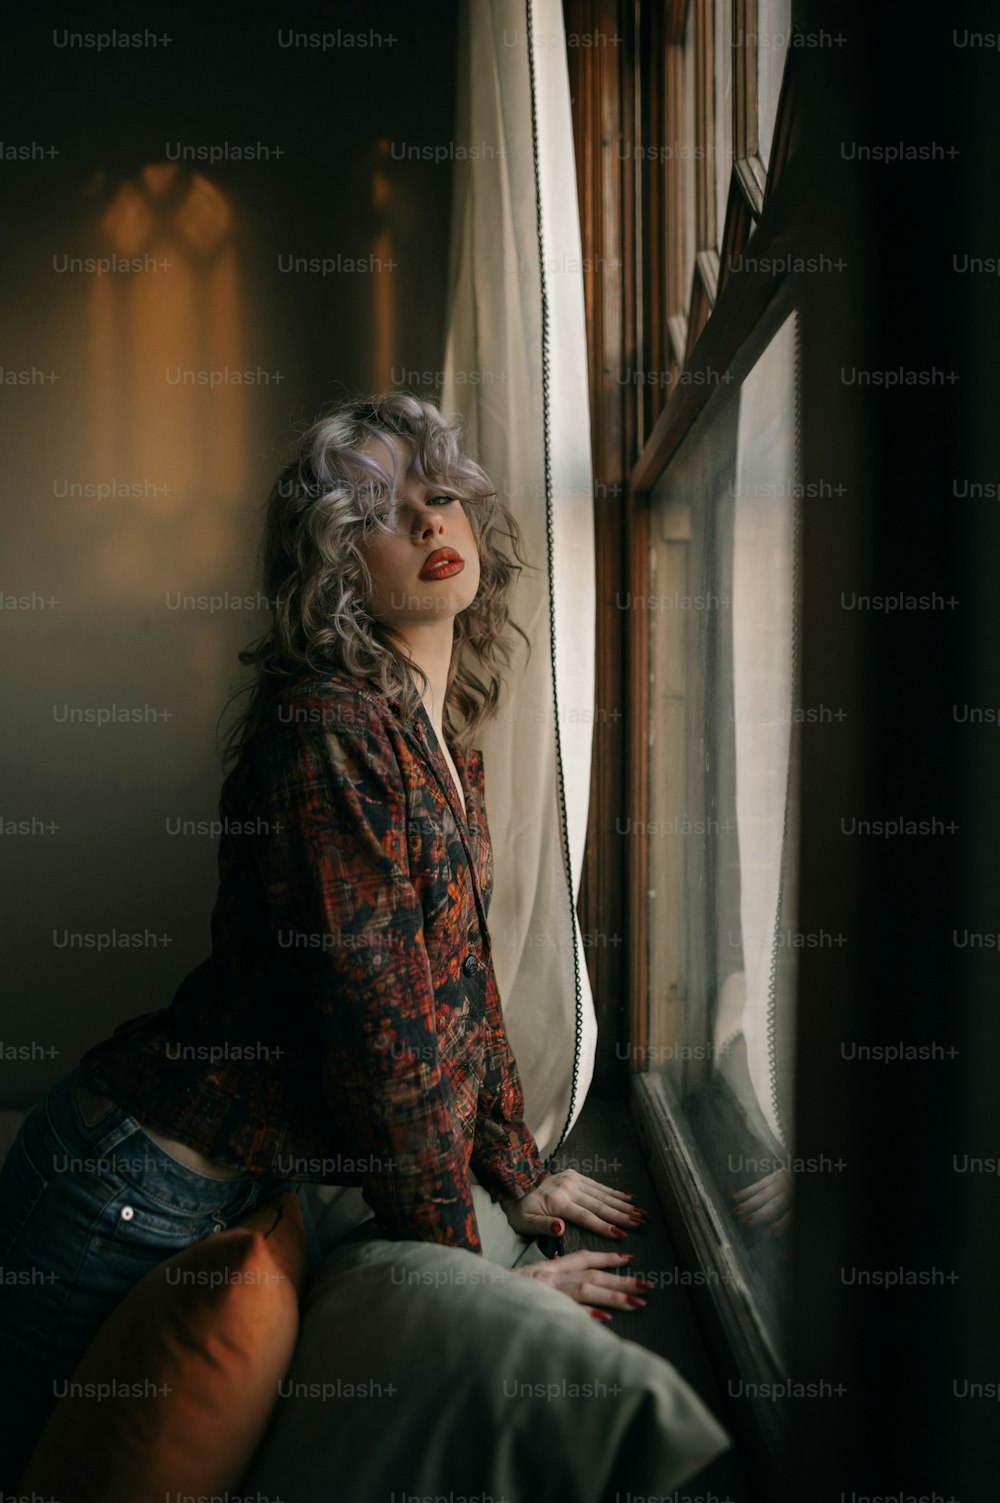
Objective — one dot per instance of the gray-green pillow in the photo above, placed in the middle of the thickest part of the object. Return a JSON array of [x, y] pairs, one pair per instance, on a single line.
[[428, 1370]]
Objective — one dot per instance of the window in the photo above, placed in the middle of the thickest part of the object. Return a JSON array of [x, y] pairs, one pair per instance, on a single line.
[[716, 481]]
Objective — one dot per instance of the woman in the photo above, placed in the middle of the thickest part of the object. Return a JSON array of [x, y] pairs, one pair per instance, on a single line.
[[347, 1026]]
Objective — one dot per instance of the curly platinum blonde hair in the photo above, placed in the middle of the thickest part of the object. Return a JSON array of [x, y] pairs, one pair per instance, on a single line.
[[324, 503]]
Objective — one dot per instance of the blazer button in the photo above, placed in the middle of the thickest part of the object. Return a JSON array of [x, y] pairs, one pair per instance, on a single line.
[[470, 965]]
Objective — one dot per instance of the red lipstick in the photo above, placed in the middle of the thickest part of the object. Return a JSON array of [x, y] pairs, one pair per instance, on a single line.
[[442, 563]]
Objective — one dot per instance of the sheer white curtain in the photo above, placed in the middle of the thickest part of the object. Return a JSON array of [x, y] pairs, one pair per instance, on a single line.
[[516, 371]]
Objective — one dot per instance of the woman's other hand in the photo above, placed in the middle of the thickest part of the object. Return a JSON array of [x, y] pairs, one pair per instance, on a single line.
[[570, 1196], [590, 1278]]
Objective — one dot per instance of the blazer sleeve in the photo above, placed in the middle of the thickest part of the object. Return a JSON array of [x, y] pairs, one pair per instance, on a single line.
[[505, 1157], [341, 900]]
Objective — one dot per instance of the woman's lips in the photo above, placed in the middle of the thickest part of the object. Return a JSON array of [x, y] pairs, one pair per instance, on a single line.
[[445, 566]]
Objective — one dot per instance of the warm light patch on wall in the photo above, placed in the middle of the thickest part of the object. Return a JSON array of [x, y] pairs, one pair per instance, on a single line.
[[161, 336], [127, 224], [164, 342], [204, 220], [225, 463]]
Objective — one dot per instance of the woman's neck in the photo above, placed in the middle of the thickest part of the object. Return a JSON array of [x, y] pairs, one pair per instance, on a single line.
[[431, 650]]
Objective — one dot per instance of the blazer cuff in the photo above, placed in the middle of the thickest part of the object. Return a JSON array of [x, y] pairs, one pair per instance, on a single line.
[[510, 1178]]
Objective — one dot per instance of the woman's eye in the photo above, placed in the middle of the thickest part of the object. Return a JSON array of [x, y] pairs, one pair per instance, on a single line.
[[387, 513]]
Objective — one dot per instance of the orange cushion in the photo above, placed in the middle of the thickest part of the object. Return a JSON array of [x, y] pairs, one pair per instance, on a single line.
[[193, 1355]]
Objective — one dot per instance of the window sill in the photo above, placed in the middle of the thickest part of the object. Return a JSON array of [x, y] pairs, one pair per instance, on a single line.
[[605, 1146]]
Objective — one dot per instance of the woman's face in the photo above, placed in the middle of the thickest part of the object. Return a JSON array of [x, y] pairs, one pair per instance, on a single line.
[[424, 522]]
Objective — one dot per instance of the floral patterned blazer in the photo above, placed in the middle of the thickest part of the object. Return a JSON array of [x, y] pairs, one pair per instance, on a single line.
[[347, 1027]]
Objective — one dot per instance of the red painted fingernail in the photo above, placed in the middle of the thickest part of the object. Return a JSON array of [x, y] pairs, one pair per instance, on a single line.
[[558, 1228], [600, 1315], [618, 1231], [633, 1299]]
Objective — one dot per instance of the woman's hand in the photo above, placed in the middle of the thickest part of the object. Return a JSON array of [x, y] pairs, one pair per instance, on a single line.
[[569, 1196], [581, 1276]]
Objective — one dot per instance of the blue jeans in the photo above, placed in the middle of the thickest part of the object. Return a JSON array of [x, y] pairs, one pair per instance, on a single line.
[[85, 1213]]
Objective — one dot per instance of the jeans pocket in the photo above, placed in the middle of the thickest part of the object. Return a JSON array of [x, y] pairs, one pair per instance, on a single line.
[[154, 1211]]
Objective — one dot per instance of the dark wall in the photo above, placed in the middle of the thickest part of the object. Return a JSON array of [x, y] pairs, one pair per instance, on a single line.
[[158, 351], [894, 1304]]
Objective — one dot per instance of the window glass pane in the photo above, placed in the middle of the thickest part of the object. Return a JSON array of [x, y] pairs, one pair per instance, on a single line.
[[723, 112], [774, 21], [723, 803]]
